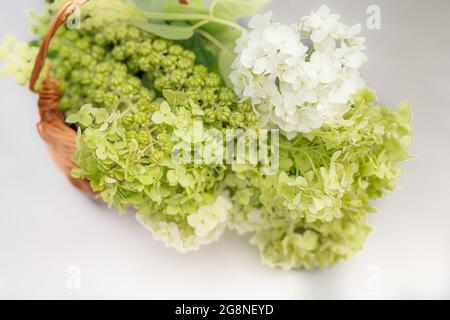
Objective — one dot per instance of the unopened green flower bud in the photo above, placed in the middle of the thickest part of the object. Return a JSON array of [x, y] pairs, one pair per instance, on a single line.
[[141, 118], [195, 82], [143, 138], [130, 135], [223, 114], [128, 119], [212, 80], [236, 119], [176, 50], [226, 96], [160, 45]]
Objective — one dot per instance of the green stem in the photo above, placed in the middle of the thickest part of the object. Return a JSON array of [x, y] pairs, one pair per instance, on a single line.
[[192, 16], [199, 24], [212, 39]]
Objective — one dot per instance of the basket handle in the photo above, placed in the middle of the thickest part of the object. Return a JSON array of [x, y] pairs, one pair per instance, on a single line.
[[61, 16]]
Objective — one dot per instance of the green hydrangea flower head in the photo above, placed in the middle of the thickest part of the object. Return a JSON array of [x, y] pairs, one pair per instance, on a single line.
[[311, 212]]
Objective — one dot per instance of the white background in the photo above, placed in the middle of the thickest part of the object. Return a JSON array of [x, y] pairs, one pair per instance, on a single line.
[[46, 226]]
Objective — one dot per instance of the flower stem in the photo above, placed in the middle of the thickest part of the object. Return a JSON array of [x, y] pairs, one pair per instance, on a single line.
[[192, 16], [212, 39]]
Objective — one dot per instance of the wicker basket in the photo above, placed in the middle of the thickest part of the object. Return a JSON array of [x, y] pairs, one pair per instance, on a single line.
[[59, 137]]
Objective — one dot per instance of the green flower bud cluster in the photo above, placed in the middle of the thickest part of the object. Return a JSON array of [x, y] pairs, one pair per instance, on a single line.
[[168, 66], [312, 212], [86, 74], [101, 66]]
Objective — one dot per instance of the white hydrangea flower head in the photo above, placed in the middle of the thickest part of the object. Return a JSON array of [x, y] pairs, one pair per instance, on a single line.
[[299, 77]]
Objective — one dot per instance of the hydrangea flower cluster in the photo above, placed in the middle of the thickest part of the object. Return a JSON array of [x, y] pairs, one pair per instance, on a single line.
[[137, 99], [145, 93], [299, 77], [19, 58], [130, 163], [312, 212], [130, 93], [208, 222]]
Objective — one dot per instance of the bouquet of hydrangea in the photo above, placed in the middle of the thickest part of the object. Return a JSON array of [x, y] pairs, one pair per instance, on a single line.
[[200, 124]]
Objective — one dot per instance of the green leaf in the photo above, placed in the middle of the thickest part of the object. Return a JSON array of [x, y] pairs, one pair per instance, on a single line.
[[214, 28], [195, 6], [167, 31], [226, 59], [234, 9], [146, 5], [174, 6], [202, 49], [227, 56], [34, 43], [228, 38]]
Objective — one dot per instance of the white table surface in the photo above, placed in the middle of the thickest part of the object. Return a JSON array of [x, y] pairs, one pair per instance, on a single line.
[[51, 234]]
